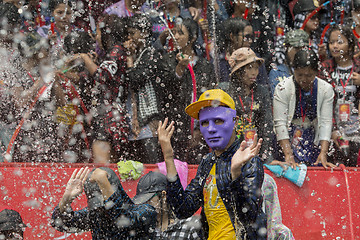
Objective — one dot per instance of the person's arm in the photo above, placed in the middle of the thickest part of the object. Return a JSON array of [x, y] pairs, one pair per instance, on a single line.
[[281, 105], [119, 206], [23, 98], [101, 178], [64, 219], [74, 188], [89, 63], [101, 151], [183, 62], [325, 123], [184, 202], [164, 135], [322, 158], [281, 112], [288, 153]]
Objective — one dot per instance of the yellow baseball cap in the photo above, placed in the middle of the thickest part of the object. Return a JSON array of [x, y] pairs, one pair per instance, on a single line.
[[210, 98]]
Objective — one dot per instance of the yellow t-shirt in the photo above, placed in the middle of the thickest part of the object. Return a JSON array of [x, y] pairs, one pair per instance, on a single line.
[[220, 226]]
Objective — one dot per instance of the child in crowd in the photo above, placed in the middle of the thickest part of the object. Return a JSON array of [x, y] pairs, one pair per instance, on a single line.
[[342, 70], [262, 35], [252, 100], [172, 12], [303, 113]]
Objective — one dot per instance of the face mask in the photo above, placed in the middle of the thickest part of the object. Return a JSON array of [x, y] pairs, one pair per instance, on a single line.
[[217, 126]]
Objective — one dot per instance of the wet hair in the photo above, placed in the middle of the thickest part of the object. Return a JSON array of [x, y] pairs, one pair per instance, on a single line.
[[140, 22], [192, 28], [113, 31], [53, 4], [348, 34], [230, 26], [306, 58], [78, 42]]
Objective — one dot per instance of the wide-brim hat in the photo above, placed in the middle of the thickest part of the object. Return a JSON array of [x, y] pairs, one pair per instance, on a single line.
[[10, 220], [242, 57], [148, 186], [210, 98]]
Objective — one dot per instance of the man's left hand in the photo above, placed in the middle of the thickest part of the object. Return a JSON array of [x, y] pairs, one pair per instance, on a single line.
[[243, 155]]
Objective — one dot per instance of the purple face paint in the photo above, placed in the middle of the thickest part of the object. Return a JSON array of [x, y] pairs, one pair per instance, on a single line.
[[217, 126]]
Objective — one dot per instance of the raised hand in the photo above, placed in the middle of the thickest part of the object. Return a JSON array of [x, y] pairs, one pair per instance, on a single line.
[[243, 155], [164, 136], [75, 185], [74, 188]]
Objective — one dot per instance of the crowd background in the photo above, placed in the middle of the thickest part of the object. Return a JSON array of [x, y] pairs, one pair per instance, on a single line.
[[87, 81]]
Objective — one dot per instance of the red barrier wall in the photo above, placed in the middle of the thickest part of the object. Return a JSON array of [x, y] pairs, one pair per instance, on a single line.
[[321, 209]]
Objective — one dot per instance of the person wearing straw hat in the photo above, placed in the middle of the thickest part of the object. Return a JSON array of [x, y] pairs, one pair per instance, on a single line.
[[251, 100], [228, 182]]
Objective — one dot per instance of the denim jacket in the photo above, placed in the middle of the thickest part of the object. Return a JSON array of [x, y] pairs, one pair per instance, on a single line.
[[240, 194]]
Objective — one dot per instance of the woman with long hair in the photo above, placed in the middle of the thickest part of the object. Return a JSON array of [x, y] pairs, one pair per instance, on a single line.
[[342, 70]]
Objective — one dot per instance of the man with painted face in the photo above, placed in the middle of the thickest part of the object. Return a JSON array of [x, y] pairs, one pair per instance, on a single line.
[[228, 181]]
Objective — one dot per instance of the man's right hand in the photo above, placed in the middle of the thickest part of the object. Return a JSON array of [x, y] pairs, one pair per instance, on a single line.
[[164, 135]]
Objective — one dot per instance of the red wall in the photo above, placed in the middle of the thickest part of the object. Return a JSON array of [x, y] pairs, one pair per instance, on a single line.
[[318, 210]]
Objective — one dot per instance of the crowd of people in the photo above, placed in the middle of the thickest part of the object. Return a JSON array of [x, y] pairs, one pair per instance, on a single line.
[[225, 84], [79, 77]]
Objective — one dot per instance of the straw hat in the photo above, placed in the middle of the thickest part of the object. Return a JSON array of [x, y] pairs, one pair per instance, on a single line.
[[242, 57]]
